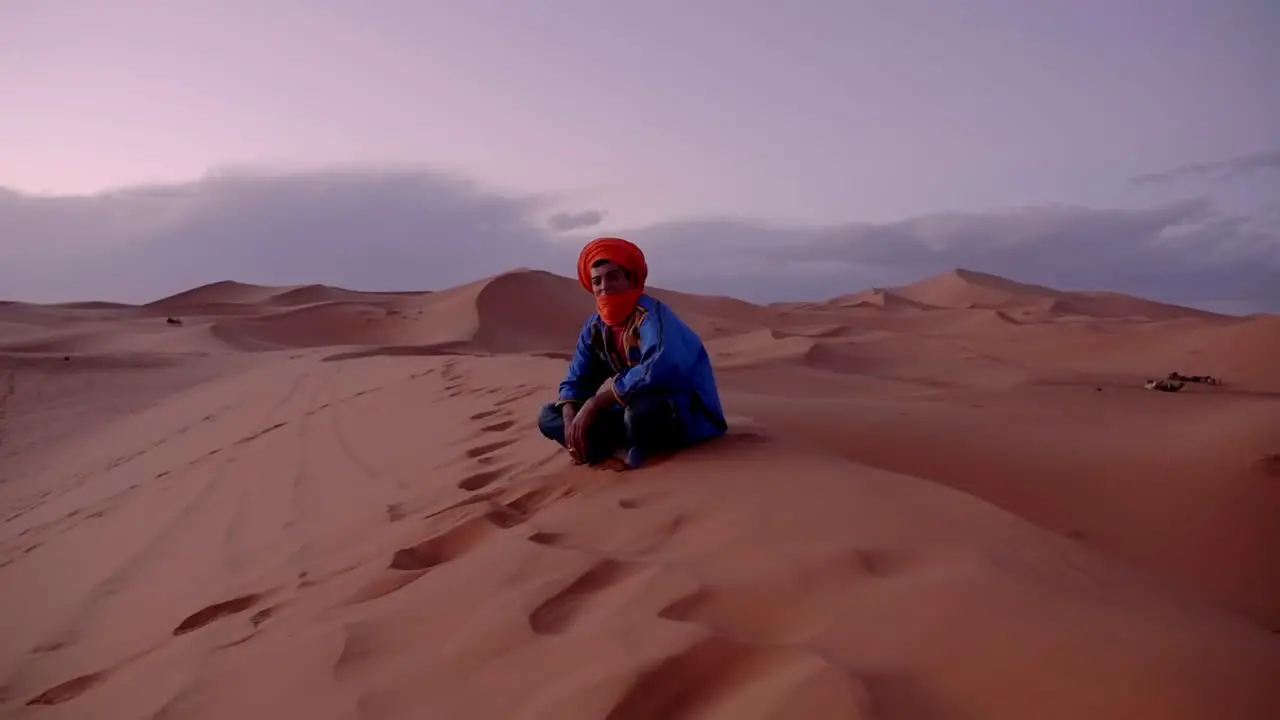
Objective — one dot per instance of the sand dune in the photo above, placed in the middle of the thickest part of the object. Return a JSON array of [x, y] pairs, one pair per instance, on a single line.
[[227, 292], [1018, 302], [879, 298], [312, 294], [969, 289], [949, 499]]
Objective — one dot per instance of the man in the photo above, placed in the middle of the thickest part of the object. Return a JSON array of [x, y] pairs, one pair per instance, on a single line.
[[640, 382]]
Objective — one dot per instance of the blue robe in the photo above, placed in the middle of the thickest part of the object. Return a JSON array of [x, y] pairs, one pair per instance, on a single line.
[[663, 358]]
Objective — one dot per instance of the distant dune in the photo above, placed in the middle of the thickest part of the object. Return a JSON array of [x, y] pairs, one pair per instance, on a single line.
[[949, 499], [220, 293]]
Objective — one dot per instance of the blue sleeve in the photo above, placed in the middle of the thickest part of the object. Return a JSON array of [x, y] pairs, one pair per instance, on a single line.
[[586, 371], [662, 359]]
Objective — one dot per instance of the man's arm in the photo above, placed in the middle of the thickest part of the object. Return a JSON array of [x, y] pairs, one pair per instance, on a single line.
[[585, 372], [663, 359]]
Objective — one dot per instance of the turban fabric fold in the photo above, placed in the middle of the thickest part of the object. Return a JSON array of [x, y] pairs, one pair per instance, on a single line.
[[620, 252]]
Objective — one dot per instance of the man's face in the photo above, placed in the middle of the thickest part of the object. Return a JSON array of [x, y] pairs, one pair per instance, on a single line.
[[609, 279]]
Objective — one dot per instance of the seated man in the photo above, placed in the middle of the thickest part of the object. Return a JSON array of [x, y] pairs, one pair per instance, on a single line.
[[640, 381]]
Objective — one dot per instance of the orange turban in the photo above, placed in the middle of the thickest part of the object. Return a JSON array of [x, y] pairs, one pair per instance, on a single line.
[[620, 252]]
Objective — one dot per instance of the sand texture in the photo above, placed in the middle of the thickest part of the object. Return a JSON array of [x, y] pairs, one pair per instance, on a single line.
[[948, 500]]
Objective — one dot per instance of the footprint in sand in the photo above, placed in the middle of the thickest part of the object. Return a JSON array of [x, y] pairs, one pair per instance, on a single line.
[[480, 451], [217, 611], [499, 426], [483, 479], [440, 549], [520, 509], [68, 690], [486, 414], [558, 612], [516, 397], [410, 563], [716, 673], [548, 539], [76, 686], [637, 502], [531, 501], [48, 647], [504, 517], [359, 644], [257, 619], [643, 539], [264, 615], [786, 597]]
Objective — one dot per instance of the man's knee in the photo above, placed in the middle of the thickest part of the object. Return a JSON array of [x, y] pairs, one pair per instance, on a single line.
[[551, 422], [651, 420], [647, 409]]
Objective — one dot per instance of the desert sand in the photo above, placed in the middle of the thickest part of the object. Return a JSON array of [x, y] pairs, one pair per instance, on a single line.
[[947, 500]]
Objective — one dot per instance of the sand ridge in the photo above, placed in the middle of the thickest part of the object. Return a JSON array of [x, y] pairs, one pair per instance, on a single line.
[[951, 499]]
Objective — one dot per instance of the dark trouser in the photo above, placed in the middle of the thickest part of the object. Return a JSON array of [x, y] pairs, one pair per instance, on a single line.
[[646, 423]]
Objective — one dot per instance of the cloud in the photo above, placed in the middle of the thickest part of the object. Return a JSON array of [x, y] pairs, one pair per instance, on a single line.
[[392, 230], [1218, 170], [1089, 237], [1181, 251], [423, 230], [564, 222]]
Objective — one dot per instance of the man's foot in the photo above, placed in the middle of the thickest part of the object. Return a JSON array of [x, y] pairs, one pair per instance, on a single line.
[[635, 458]]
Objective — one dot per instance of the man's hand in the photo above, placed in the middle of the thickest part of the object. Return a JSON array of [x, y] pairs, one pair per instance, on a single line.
[[577, 422], [576, 433], [570, 414]]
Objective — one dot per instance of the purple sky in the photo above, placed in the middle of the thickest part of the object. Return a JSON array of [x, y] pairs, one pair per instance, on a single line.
[[776, 119]]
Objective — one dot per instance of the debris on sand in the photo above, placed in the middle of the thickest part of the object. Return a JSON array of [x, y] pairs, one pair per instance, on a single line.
[[1175, 381], [1206, 379]]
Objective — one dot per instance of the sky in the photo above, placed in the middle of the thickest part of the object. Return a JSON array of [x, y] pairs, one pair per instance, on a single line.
[[764, 150]]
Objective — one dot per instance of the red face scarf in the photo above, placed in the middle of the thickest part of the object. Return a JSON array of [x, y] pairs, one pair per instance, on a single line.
[[614, 309]]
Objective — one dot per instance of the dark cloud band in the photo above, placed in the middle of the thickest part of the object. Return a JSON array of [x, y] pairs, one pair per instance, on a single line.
[[421, 230]]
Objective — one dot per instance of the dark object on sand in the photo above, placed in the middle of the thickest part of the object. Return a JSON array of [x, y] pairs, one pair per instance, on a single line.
[[1206, 379], [1163, 385], [173, 321]]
